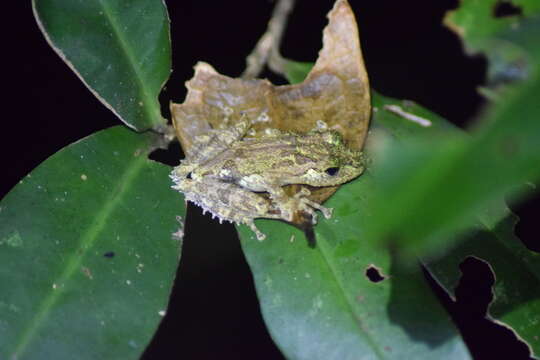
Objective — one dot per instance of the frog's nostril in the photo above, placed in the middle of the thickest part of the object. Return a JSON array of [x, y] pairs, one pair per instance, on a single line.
[[332, 171]]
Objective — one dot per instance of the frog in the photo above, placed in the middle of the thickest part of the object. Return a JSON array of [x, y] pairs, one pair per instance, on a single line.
[[226, 171]]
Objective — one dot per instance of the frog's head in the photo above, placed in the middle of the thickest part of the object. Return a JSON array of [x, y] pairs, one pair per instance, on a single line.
[[333, 163]]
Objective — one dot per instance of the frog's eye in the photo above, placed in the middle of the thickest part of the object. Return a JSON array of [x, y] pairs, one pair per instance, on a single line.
[[332, 171], [188, 176]]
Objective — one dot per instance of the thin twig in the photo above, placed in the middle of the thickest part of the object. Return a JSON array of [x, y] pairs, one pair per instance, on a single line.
[[267, 48]]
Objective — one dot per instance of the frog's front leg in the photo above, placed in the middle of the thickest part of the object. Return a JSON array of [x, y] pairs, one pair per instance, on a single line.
[[279, 197], [308, 205], [287, 205]]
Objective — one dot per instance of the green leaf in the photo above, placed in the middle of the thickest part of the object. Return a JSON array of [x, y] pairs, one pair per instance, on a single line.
[[516, 292], [476, 22], [120, 49], [489, 227], [432, 187], [318, 303], [482, 31], [511, 132], [86, 251], [435, 185], [418, 162]]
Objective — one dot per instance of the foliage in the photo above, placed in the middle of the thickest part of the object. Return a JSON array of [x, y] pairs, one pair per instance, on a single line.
[[87, 254], [86, 239], [122, 60], [85, 269]]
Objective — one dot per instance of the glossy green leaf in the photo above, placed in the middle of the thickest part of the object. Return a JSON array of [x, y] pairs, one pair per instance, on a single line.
[[448, 191], [319, 303], [120, 49], [418, 161], [87, 251], [429, 186]]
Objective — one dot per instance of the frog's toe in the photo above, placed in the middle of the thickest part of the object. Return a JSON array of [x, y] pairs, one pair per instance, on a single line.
[[287, 211], [327, 212], [258, 233]]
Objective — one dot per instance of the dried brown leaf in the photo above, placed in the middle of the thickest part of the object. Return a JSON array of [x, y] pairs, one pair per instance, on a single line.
[[335, 95]]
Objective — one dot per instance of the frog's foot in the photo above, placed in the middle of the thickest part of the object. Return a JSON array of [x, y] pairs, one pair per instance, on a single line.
[[300, 202], [258, 233], [309, 206]]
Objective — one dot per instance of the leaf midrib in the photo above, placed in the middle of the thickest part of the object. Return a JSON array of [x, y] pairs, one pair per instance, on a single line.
[[127, 50], [87, 239], [323, 250]]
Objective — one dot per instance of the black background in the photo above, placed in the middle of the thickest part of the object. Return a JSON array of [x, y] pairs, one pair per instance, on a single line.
[[214, 311]]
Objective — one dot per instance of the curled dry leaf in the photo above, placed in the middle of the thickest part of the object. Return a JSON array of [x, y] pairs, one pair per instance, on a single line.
[[335, 95]]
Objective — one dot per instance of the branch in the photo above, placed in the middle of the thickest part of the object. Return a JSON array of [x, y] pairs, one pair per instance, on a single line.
[[267, 48]]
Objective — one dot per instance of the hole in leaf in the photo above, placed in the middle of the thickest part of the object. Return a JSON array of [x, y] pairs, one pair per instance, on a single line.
[[170, 156], [374, 275], [109, 254], [484, 337], [527, 227], [474, 288], [506, 9]]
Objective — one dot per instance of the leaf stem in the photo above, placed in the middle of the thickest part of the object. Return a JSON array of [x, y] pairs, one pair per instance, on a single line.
[[267, 49]]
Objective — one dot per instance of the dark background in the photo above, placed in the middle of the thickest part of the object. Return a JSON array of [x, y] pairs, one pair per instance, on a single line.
[[214, 310]]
